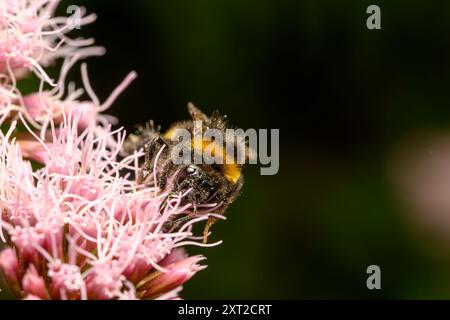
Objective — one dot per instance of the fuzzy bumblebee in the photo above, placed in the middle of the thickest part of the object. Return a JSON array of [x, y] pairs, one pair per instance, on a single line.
[[218, 182]]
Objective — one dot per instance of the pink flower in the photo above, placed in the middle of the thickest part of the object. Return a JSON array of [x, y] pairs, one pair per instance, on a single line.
[[11, 269], [44, 105], [77, 227], [92, 233], [42, 108], [31, 37], [178, 272], [34, 284], [9, 100]]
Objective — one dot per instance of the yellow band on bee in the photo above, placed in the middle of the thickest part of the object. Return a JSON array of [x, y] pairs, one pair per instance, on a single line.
[[228, 166]]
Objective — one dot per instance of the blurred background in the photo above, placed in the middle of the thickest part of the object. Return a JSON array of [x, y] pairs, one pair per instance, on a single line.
[[364, 119]]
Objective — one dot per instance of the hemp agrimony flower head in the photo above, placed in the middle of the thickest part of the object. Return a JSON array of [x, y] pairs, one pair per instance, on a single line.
[[76, 228], [78, 224], [31, 37]]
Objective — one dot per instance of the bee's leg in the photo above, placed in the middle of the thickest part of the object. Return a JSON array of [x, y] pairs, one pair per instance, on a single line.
[[167, 170], [194, 208], [176, 223], [209, 223], [151, 150]]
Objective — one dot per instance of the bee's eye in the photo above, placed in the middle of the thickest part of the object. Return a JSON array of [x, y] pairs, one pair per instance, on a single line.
[[192, 170], [189, 171]]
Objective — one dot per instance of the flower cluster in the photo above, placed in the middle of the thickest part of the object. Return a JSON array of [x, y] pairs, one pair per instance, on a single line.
[[31, 37], [77, 226]]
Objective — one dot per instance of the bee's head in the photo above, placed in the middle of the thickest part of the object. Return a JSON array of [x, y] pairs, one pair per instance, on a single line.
[[205, 183], [220, 178]]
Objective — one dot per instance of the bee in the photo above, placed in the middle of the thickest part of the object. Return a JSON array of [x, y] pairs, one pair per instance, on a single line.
[[203, 183]]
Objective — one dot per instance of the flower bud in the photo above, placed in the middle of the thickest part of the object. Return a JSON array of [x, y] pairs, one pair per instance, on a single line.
[[177, 274], [34, 285]]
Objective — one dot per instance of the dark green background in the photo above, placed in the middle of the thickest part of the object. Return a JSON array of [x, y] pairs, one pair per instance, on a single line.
[[341, 96]]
